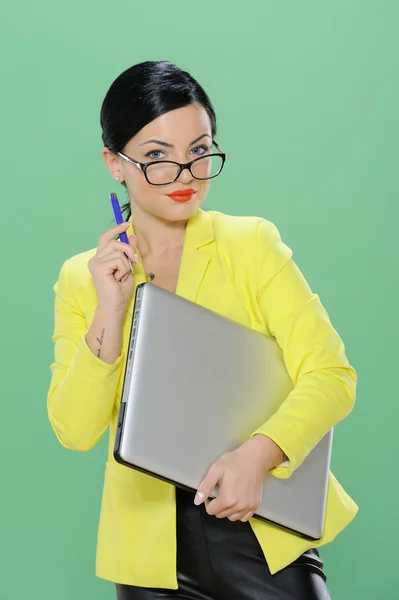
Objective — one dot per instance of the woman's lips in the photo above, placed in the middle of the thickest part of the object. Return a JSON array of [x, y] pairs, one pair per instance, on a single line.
[[182, 196]]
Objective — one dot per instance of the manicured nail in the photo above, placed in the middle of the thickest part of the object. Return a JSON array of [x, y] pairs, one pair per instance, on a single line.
[[136, 259], [199, 498]]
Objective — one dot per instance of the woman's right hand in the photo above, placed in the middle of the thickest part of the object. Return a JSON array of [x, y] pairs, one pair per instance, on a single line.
[[111, 272]]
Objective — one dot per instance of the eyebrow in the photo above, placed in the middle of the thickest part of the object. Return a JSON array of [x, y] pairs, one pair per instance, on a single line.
[[161, 143]]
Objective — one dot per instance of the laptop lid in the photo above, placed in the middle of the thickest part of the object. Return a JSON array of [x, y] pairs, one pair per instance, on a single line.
[[196, 386]]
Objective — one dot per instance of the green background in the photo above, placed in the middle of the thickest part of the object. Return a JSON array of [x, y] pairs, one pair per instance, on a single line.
[[307, 98]]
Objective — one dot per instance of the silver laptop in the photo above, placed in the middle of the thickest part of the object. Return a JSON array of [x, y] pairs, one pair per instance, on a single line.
[[196, 386]]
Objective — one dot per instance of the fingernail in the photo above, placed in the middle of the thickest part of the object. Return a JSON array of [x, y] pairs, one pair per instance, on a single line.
[[136, 259], [199, 498]]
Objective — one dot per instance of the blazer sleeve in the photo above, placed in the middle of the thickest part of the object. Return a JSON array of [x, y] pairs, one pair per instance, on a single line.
[[82, 390], [314, 354]]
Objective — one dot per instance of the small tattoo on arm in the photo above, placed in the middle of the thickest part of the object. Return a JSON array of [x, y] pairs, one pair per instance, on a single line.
[[100, 341]]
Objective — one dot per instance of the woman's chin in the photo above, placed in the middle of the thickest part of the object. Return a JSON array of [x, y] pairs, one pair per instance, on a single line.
[[178, 211]]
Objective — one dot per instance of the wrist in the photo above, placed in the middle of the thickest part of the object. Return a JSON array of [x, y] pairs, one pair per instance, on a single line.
[[111, 314], [268, 453]]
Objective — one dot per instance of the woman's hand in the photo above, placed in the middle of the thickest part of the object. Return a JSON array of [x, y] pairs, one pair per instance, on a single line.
[[240, 475], [111, 271]]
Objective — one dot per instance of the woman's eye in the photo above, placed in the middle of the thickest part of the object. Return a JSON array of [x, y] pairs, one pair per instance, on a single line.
[[155, 154], [203, 149]]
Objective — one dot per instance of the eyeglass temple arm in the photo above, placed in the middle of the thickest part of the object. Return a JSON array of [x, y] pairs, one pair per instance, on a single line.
[[134, 162]]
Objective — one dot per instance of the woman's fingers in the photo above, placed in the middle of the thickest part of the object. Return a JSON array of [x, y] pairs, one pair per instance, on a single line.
[[249, 515], [240, 487], [208, 484], [120, 247], [117, 266], [115, 254], [109, 235]]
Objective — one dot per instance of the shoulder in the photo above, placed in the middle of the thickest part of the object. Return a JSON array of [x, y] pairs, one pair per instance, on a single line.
[[78, 262], [74, 274], [255, 234], [225, 226]]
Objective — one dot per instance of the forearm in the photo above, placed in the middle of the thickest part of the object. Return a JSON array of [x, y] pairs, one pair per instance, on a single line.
[[266, 452], [314, 354], [104, 337], [83, 391], [81, 399], [319, 401]]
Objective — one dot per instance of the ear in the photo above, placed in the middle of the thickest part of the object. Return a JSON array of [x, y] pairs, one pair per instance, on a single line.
[[113, 163]]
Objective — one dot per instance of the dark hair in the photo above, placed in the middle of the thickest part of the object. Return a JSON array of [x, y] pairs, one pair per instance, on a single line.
[[141, 94]]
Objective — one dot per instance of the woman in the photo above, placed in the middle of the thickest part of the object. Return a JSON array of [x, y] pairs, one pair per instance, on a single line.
[[154, 541]]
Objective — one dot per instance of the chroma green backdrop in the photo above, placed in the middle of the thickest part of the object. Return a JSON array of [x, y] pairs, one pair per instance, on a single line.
[[307, 97]]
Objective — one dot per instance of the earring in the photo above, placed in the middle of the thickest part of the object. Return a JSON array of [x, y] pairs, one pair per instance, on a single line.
[[117, 178]]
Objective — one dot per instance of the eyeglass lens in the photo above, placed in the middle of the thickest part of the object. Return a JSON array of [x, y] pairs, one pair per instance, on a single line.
[[166, 172]]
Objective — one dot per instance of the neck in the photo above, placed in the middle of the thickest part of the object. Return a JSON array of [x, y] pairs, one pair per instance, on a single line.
[[156, 236]]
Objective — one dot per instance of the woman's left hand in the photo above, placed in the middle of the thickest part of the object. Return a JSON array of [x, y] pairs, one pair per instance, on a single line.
[[240, 475]]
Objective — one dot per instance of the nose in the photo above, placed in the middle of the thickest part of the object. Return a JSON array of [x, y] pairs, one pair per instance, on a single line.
[[185, 176]]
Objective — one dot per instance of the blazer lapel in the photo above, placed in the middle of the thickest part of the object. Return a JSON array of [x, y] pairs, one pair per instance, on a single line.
[[195, 259]]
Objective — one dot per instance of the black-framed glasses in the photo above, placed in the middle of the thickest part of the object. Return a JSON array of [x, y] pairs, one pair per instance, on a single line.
[[162, 172]]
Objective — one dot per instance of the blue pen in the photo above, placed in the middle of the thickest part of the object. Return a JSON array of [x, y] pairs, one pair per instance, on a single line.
[[119, 220]]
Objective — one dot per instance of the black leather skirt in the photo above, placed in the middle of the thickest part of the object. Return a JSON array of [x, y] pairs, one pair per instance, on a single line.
[[218, 559]]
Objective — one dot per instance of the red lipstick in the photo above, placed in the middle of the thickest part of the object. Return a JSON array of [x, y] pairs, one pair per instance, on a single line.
[[182, 195]]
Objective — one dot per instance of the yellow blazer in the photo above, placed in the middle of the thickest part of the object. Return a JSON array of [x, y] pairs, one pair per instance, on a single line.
[[240, 268]]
